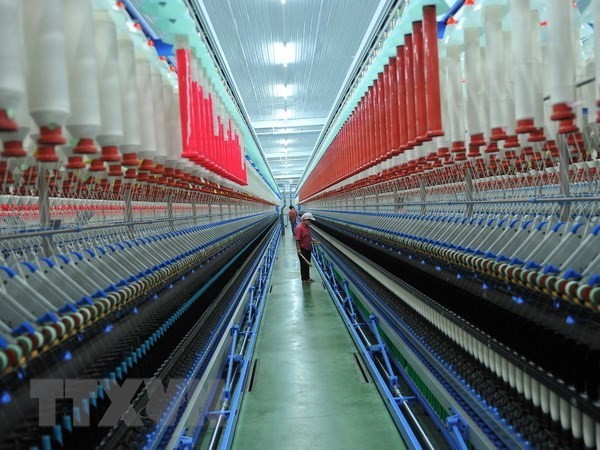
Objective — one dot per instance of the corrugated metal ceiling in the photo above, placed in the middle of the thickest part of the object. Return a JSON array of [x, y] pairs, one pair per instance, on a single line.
[[326, 36]]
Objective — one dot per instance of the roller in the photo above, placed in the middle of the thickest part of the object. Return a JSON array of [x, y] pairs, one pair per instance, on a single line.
[[475, 111], [145, 109], [156, 80], [12, 80], [443, 141], [410, 101], [493, 12], [523, 59], [184, 78], [110, 135], [172, 130], [131, 143], [456, 102], [47, 77], [13, 140], [561, 65], [84, 122]]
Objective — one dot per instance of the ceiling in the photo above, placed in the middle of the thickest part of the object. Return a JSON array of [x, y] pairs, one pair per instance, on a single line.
[[324, 41]]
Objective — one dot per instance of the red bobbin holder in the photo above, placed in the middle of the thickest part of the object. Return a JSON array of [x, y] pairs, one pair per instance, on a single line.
[[460, 157], [492, 148], [143, 176], [75, 163], [525, 126], [443, 152], [130, 160], [85, 146], [512, 142], [46, 154], [6, 123], [498, 134], [110, 153], [6, 175], [158, 169], [115, 170], [564, 113], [51, 136], [147, 165], [97, 165], [477, 140], [458, 147], [13, 149], [537, 135]]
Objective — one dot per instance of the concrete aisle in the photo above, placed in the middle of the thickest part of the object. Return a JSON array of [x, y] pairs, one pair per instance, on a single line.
[[308, 391]]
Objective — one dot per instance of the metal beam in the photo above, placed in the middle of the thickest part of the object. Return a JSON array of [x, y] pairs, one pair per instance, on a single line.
[[287, 131], [290, 154], [290, 123], [288, 176]]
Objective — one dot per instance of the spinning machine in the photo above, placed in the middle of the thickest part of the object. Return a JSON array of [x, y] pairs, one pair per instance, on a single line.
[[129, 216], [458, 189]]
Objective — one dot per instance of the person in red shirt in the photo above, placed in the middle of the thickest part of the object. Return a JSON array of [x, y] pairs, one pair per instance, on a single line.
[[293, 216], [304, 243]]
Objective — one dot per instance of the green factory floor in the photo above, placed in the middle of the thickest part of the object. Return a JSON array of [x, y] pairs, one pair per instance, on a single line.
[[308, 391]]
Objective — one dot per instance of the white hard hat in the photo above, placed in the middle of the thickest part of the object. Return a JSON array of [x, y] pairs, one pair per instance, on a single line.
[[308, 216]]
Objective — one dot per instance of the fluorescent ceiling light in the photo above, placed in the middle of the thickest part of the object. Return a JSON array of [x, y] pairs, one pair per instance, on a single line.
[[283, 90], [284, 53], [283, 114], [283, 2]]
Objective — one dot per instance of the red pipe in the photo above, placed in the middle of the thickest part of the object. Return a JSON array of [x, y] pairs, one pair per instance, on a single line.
[[385, 89], [219, 153], [199, 119], [356, 139], [185, 105], [367, 131], [402, 105], [350, 144], [393, 124], [344, 152], [382, 119], [374, 126], [409, 91], [432, 72], [366, 126], [379, 123], [419, 82], [362, 140], [210, 133], [197, 138]]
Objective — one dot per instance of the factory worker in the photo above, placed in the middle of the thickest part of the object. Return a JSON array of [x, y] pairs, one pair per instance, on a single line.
[[304, 242], [293, 216]]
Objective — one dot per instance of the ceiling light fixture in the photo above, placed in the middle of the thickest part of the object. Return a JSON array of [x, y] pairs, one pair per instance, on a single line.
[[283, 2], [284, 53], [283, 90], [283, 114]]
